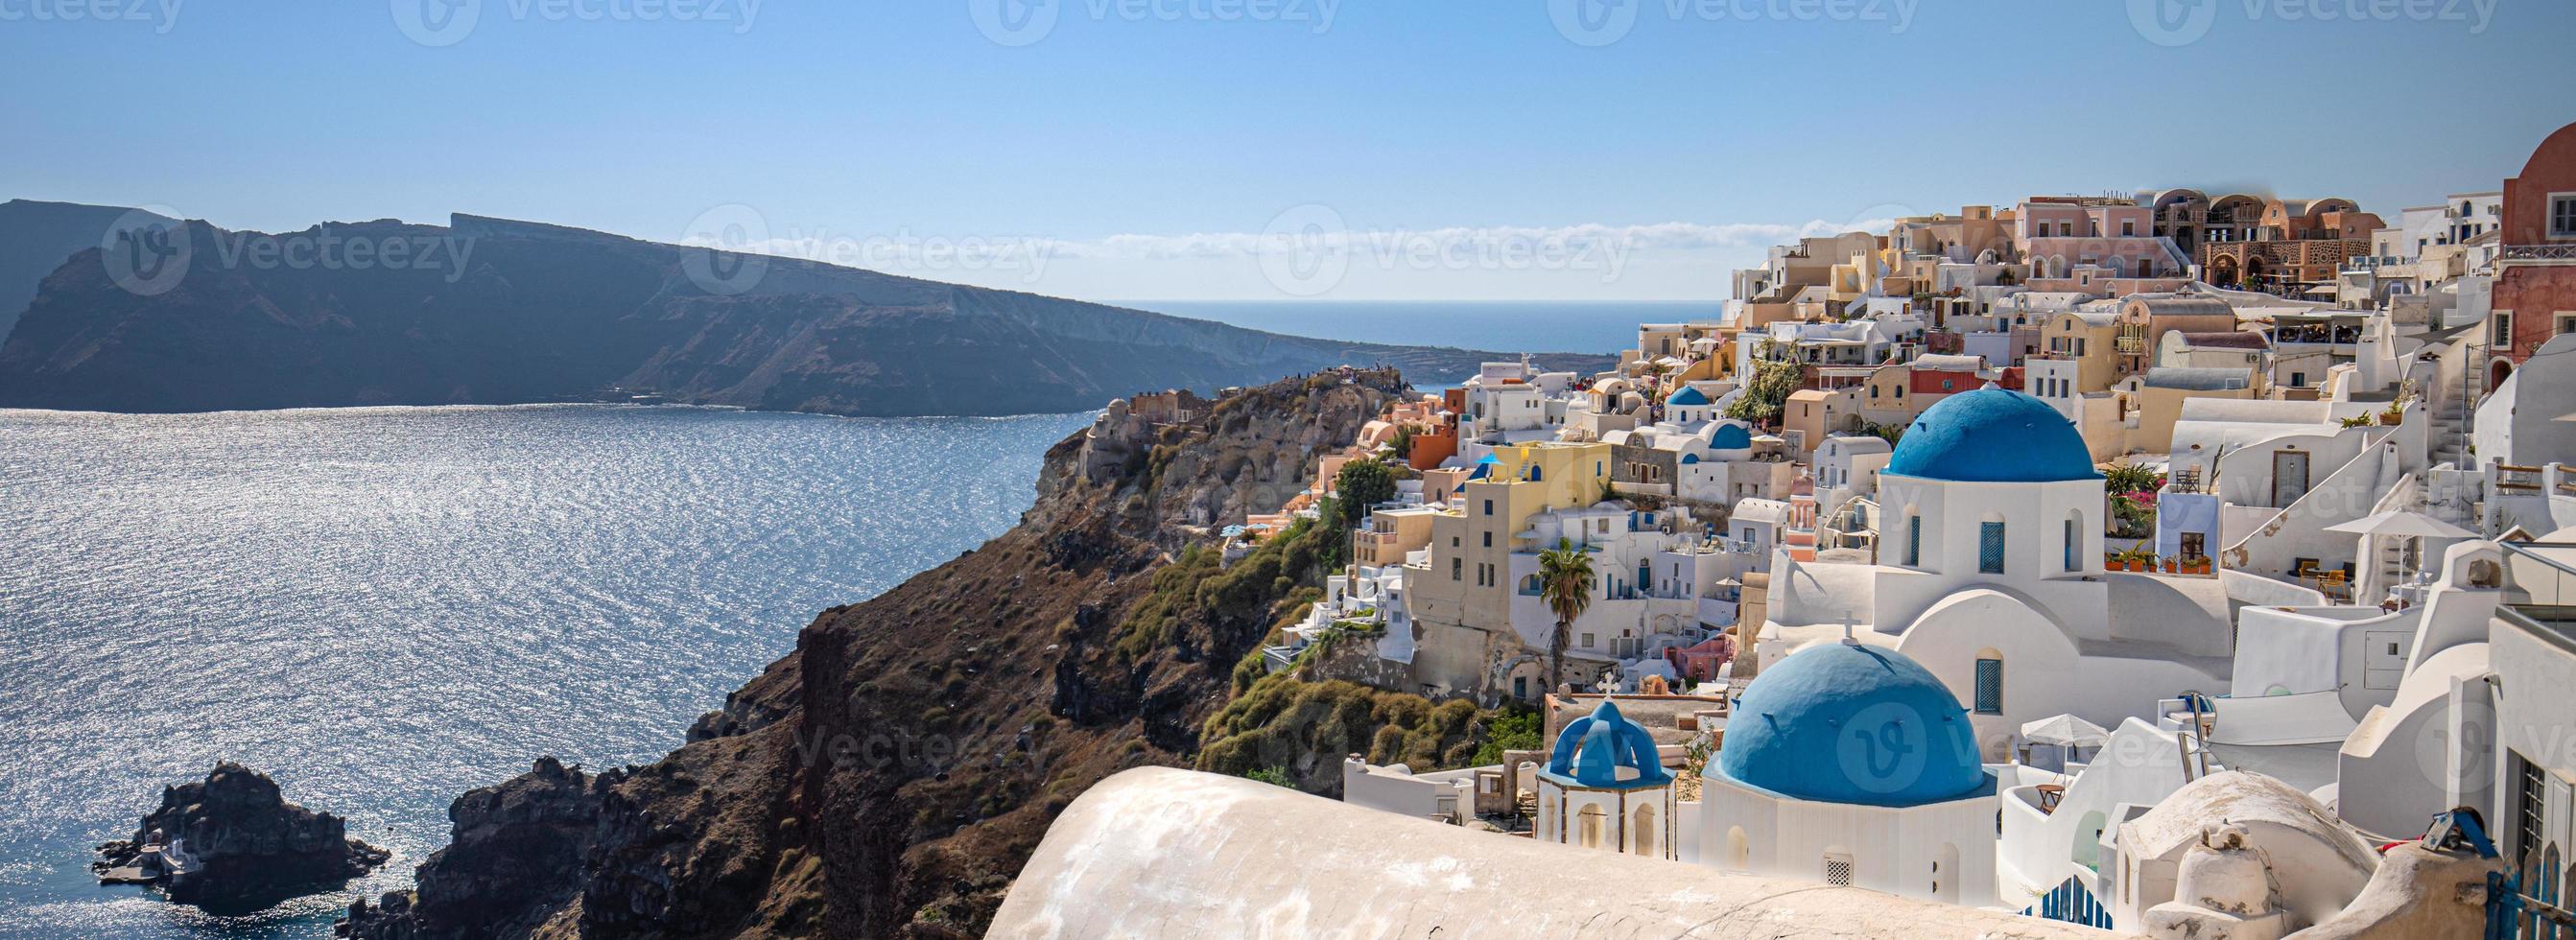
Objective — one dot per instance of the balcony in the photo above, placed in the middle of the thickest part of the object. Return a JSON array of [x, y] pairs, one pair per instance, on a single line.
[[2538, 254]]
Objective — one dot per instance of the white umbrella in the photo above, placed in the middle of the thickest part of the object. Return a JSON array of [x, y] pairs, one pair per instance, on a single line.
[[2065, 731], [2402, 523]]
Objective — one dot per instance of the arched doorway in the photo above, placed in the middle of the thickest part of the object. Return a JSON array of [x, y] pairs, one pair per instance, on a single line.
[[1739, 850], [1591, 824], [2497, 372], [1648, 832]]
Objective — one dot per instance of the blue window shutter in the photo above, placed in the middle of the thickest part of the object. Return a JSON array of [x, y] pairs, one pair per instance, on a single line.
[[1990, 547], [1990, 686]]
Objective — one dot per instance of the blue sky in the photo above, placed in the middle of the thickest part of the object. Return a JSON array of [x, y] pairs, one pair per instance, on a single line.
[[1141, 148]]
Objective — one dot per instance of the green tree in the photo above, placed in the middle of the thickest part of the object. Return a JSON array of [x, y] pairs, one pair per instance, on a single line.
[[1767, 395], [1360, 485], [1403, 443], [1565, 582]]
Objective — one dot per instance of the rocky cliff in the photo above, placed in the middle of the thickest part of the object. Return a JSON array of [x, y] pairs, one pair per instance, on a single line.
[[889, 776], [247, 848], [490, 311], [36, 237]]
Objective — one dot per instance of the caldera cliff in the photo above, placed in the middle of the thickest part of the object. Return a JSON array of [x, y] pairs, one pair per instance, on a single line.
[[890, 776]]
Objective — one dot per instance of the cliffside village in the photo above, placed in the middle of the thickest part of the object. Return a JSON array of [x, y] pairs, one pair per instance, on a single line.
[[2182, 564]]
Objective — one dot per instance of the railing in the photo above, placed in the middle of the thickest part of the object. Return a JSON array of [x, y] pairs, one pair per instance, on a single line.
[[2538, 253]]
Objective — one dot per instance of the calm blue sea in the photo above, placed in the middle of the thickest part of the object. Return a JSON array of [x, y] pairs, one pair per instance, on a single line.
[[1531, 326], [385, 607]]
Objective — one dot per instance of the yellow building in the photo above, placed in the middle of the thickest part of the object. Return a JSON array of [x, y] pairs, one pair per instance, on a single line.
[[2088, 338], [1461, 597]]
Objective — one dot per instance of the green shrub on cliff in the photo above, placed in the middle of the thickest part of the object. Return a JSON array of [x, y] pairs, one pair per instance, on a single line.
[[1307, 727]]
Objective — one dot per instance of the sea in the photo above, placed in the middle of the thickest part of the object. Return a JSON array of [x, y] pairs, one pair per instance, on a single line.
[[1500, 326], [386, 607]]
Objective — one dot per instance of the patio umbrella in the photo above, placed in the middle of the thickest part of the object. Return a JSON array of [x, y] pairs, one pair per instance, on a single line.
[[2402, 523], [2065, 731]]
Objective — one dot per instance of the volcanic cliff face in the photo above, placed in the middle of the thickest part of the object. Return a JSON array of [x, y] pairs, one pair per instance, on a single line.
[[36, 237], [890, 776], [488, 311]]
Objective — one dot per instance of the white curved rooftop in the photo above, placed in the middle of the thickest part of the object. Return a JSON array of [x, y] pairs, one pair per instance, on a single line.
[[1173, 854]]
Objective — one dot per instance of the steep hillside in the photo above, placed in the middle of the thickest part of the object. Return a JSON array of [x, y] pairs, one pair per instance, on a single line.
[[37, 237], [488, 311], [889, 776]]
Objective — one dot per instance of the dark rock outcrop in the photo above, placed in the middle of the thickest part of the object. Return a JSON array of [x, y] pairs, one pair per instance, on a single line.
[[889, 777], [37, 237], [489, 311], [231, 843]]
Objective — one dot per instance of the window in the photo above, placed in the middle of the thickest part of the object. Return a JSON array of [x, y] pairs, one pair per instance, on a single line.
[[2128, 228], [1489, 540], [2566, 323], [1990, 548], [2501, 336], [2562, 215], [1838, 869], [1489, 507], [2070, 545], [1990, 686], [1457, 569], [1914, 540], [1587, 641]]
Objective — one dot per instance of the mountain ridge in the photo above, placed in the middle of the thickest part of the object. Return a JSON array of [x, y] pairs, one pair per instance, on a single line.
[[498, 311]]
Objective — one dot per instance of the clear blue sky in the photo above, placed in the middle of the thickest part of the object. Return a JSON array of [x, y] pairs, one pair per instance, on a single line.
[[897, 122]]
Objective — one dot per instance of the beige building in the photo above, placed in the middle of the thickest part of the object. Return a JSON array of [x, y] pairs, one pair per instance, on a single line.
[[2162, 392], [1461, 596], [2087, 338], [1812, 413], [1390, 534]]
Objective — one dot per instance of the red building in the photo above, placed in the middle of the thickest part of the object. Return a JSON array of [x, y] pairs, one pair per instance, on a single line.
[[2535, 288]]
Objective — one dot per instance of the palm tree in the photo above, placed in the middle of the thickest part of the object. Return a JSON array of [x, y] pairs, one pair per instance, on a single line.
[[1565, 581]]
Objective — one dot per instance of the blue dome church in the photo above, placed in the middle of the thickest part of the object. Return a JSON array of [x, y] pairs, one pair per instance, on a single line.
[[1605, 787], [1851, 764]]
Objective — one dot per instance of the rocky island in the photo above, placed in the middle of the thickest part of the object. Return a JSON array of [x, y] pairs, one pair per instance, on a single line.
[[232, 844]]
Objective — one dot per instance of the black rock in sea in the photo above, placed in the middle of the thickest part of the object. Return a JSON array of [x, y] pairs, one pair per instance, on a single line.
[[232, 844]]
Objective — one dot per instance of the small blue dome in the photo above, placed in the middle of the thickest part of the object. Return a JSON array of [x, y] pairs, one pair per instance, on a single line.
[[1593, 751], [1846, 723], [1730, 437], [1687, 396], [1993, 436]]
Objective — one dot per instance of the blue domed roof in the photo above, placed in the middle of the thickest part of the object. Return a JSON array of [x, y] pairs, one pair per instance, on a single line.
[[1730, 437], [1687, 396], [1593, 751], [1846, 723], [1993, 436]]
